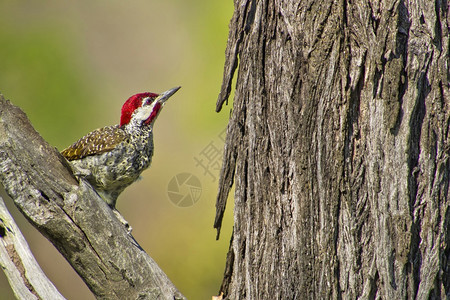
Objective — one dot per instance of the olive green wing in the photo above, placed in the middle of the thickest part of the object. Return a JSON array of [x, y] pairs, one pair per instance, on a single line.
[[98, 141]]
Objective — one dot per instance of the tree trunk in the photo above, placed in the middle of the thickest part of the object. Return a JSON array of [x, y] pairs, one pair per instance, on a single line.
[[338, 145]]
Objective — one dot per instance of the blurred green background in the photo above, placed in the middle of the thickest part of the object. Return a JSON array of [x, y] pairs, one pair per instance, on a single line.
[[71, 65]]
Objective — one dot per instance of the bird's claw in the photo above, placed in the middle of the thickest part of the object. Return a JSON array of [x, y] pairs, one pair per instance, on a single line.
[[123, 221]]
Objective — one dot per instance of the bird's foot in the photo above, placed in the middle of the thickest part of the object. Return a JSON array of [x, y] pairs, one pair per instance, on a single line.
[[81, 173], [122, 220]]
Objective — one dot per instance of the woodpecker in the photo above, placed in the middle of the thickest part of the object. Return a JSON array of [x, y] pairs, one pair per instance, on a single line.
[[113, 157]]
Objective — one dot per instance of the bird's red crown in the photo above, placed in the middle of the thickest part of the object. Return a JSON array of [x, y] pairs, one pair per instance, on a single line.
[[133, 103]]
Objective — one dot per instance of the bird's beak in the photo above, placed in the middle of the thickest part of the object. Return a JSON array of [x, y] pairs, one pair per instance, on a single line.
[[163, 97]]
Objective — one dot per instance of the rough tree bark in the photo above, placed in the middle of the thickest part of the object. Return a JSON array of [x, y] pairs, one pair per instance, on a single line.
[[338, 146], [73, 217]]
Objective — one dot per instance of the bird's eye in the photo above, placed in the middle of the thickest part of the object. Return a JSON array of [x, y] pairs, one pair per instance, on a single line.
[[146, 101]]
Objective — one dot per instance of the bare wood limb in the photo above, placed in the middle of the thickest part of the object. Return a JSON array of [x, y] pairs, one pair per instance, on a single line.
[[24, 274], [73, 217]]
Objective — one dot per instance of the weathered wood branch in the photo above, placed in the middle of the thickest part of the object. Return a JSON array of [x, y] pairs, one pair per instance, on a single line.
[[24, 274], [73, 217]]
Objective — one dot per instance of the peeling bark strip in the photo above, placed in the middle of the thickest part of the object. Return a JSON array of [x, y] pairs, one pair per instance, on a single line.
[[338, 146], [15, 258], [73, 217]]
